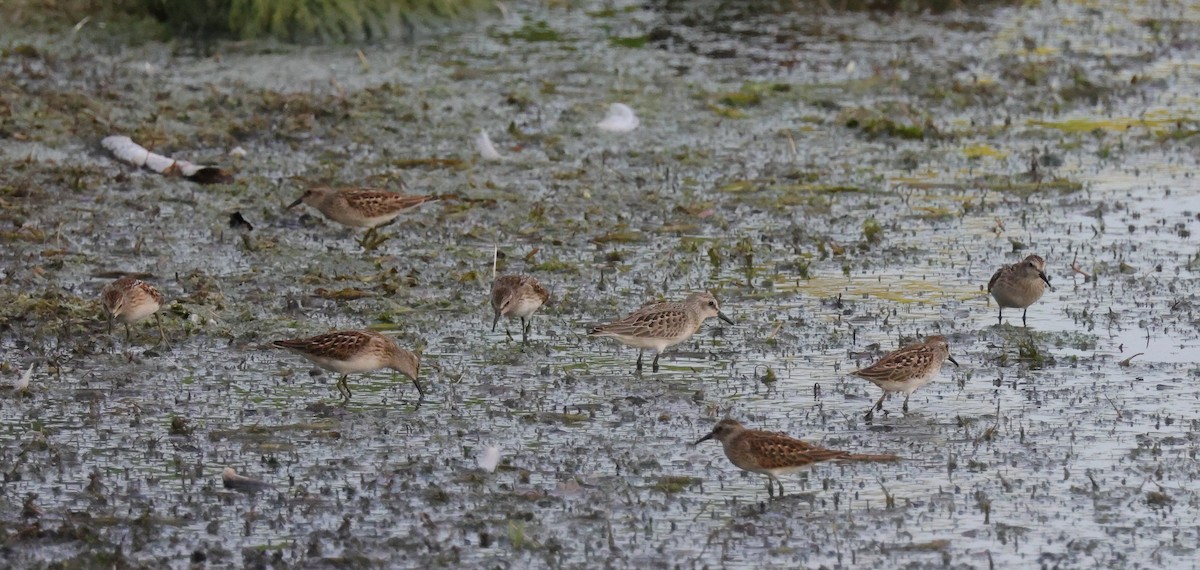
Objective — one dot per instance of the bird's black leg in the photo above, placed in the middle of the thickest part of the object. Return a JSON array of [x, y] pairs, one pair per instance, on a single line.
[[878, 406], [655, 365], [639, 362]]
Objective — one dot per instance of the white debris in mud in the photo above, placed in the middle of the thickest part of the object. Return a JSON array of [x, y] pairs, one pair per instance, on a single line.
[[484, 145], [489, 458], [128, 151], [620, 119]]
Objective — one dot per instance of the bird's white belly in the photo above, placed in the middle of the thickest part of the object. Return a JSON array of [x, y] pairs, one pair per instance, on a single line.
[[656, 344], [364, 363], [138, 313], [1019, 296], [778, 471], [524, 308], [912, 384], [360, 222]]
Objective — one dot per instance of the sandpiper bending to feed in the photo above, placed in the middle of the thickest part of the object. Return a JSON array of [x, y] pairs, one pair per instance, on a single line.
[[346, 352], [517, 296], [359, 207], [1019, 285], [662, 325], [774, 454], [130, 300], [907, 369]]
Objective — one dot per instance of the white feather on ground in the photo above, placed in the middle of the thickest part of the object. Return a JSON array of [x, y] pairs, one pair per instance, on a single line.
[[489, 458], [620, 119], [22, 383], [484, 144]]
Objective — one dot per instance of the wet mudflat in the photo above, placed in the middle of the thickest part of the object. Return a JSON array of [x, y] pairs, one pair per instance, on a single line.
[[843, 182]]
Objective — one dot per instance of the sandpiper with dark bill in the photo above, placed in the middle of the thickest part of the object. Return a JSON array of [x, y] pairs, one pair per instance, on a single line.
[[347, 352], [129, 300], [774, 454], [517, 296], [360, 207], [907, 369], [1019, 285], [659, 326]]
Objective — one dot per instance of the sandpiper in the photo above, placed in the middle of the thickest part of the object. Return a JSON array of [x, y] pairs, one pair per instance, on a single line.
[[517, 296], [659, 326], [130, 300], [907, 369], [774, 454], [346, 352], [1019, 285], [359, 207]]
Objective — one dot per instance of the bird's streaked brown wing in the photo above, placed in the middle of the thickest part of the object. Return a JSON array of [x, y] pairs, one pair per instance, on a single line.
[[776, 450], [373, 203], [898, 366], [996, 277], [339, 345], [652, 320], [537, 289]]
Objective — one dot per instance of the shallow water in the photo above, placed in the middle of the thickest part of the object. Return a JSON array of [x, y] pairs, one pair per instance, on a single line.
[[1041, 449]]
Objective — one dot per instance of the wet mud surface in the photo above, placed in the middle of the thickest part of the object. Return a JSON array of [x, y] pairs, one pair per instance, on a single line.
[[844, 182]]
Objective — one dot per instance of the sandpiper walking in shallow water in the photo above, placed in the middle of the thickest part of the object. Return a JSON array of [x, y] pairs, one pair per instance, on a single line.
[[907, 369], [360, 207], [130, 300], [1019, 285], [346, 352], [662, 325], [517, 296], [774, 454]]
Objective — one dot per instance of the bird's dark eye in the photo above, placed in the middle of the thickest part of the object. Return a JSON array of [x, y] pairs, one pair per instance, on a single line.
[[712, 304]]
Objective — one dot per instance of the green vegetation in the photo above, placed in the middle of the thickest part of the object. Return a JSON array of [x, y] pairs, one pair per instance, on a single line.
[[288, 20], [900, 122], [537, 32], [872, 231]]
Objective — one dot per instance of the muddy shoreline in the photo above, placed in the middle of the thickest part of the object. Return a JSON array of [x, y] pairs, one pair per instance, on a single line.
[[840, 191]]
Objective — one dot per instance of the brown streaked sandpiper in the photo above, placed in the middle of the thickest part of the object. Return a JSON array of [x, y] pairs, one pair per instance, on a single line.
[[347, 352], [518, 296], [1019, 285], [774, 454], [131, 300], [659, 326], [359, 207], [907, 369]]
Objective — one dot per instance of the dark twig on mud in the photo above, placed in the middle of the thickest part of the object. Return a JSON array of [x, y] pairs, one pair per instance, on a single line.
[[1129, 360], [1075, 267]]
